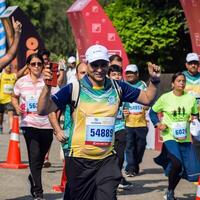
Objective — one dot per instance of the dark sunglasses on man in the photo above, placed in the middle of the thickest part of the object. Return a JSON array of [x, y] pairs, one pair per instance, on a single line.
[[194, 62], [99, 63]]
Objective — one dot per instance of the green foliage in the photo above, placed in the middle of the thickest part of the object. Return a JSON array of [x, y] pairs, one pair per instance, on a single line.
[[150, 30], [50, 20]]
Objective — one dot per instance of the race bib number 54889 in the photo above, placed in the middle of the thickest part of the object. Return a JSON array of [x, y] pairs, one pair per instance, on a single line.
[[99, 130]]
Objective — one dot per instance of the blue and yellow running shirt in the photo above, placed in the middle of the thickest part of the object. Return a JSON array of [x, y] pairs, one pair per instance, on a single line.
[[137, 116], [193, 86], [92, 132]]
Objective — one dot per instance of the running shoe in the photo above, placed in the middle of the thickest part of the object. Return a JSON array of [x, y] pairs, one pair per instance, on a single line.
[[39, 198], [169, 195], [130, 173], [124, 184], [31, 185]]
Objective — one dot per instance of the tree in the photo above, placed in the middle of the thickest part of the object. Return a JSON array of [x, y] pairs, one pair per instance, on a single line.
[[50, 20], [151, 30]]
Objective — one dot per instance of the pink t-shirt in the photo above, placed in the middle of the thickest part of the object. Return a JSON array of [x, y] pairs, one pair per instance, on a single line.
[[29, 93]]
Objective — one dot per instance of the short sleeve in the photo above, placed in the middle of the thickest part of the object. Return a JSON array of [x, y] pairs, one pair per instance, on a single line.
[[158, 105], [16, 89], [129, 93], [63, 97]]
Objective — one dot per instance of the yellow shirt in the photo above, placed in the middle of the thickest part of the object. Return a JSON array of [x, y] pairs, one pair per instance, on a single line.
[[137, 116], [7, 82]]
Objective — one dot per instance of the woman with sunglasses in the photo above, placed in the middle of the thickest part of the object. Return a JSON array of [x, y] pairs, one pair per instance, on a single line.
[[38, 132], [177, 157]]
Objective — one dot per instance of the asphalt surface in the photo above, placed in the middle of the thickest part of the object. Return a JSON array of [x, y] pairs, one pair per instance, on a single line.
[[149, 185]]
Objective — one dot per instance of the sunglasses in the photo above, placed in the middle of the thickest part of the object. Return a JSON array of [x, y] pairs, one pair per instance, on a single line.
[[99, 63], [193, 63], [33, 64]]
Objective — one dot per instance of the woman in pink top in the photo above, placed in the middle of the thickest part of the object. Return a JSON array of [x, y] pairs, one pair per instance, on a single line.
[[38, 132]]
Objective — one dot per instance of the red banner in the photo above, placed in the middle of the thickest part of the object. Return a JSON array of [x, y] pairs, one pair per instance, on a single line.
[[192, 12], [90, 25]]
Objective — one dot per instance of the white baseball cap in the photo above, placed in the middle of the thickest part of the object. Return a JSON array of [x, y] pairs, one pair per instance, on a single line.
[[131, 68], [96, 52], [71, 60], [192, 57]]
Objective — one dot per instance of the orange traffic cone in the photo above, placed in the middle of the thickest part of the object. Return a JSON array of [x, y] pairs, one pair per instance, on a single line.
[[13, 157], [198, 190], [61, 187]]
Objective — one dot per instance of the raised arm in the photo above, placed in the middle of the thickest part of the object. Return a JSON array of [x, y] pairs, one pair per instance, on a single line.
[[45, 103], [10, 55], [148, 95]]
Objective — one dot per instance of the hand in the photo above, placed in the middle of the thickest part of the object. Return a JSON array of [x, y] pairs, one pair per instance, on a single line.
[[19, 110], [17, 26], [60, 136], [154, 70], [161, 126]]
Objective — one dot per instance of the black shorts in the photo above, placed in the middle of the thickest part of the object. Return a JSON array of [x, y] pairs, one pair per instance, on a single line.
[[6, 107], [92, 179]]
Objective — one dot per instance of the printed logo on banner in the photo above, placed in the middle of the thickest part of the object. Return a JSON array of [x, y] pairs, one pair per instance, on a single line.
[[197, 39], [103, 20], [95, 9], [96, 28], [115, 51], [111, 36]]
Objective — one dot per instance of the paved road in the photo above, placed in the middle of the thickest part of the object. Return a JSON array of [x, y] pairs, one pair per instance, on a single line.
[[149, 185]]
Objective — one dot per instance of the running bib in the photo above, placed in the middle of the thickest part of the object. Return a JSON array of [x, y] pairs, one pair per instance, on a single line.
[[99, 130], [8, 88], [135, 108], [31, 102], [179, 130], [120, 114]]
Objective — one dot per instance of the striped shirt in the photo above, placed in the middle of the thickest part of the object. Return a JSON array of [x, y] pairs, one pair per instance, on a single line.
[[29, 93]]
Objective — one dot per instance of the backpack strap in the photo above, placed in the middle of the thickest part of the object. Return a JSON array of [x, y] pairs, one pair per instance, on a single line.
[[75, 94], [118, 89]]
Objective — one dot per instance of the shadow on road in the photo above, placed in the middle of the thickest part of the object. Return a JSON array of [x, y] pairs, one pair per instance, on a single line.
[[56, 196], [152, 171], [147, 186]]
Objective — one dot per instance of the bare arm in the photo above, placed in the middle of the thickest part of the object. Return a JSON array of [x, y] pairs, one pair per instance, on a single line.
[[45, 104], [15, 103], [59, 133], [21, 72], [148, 95], [5, 60], [60, 77]]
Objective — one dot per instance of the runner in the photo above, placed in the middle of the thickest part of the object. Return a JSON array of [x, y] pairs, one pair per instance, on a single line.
[[178, 157], [92, 166], [115, 72], [37, 129], [136, 125]]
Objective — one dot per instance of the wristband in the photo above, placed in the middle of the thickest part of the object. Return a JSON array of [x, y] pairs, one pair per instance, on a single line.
[[155, 80]]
